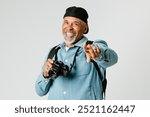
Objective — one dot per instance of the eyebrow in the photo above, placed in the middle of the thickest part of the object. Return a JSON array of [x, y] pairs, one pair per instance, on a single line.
[[74, 21], [77, 22]]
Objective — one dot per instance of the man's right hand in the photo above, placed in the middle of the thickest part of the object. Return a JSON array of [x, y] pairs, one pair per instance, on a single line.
[[47, 67]]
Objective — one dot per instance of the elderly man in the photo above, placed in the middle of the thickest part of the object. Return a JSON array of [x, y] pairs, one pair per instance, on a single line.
[[71, 74]]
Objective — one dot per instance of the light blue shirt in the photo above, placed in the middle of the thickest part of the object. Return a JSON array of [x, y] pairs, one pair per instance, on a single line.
[[83, 82]]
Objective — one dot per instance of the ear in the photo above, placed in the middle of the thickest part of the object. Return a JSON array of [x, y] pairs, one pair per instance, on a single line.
[[85, 29]]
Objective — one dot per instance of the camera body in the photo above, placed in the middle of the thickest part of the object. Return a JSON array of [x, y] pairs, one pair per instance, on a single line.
[[58, 68]]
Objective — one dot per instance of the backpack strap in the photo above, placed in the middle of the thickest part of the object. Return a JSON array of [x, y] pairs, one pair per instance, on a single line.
[[104, 84], [104, 81], [53, 52]]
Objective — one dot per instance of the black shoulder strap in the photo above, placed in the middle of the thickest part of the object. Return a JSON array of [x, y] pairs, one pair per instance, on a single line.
[[104, 80], [104, 83], [53, 52]]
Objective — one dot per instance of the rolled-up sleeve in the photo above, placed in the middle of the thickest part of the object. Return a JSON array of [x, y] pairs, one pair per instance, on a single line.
[[42, 85]]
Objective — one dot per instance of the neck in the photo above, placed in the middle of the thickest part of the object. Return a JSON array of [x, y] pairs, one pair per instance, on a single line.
[[69, 45]]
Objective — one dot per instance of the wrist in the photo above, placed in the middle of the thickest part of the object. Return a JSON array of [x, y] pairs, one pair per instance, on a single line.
[[45, 75]]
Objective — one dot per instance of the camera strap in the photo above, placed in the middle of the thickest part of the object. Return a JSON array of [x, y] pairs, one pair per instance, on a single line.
[[74, 59], [54, 51]]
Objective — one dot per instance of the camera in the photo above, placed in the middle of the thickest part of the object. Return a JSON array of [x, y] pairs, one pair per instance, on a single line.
[[58, 68]]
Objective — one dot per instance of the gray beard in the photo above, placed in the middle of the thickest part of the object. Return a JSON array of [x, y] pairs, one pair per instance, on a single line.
[[69, 41]]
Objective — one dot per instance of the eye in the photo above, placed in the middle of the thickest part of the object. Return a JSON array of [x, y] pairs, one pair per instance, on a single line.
[[76, 24], [66, 22]]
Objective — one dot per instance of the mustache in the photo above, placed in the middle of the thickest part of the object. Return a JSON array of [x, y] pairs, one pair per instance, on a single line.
[[69, 31]]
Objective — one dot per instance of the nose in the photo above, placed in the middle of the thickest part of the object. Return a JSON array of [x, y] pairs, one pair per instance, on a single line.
[[70, 26]]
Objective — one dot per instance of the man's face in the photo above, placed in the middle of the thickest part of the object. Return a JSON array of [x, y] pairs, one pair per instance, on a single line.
[[73, 29]]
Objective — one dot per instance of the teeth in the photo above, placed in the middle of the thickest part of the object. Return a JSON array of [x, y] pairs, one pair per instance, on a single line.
[[69, 33]]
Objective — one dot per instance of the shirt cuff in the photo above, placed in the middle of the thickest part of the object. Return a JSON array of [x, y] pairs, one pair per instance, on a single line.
[[46, 80]]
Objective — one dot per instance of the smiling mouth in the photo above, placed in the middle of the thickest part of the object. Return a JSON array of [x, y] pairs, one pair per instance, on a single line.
[[69, 34]]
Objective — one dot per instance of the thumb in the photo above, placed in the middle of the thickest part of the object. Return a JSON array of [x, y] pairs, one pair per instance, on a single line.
[[88, 57], [86, 53]]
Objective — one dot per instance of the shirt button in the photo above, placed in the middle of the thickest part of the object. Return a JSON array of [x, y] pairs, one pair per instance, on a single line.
[[66, 60], [46, 81], [64, 92]]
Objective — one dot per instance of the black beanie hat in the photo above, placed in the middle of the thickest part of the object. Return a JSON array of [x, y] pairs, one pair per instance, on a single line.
[[78, 12]]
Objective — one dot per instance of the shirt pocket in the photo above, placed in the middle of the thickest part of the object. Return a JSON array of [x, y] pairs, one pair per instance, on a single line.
[[81, 67]]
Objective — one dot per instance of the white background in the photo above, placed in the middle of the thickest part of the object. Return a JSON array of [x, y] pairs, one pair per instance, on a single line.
[[28, 28]]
